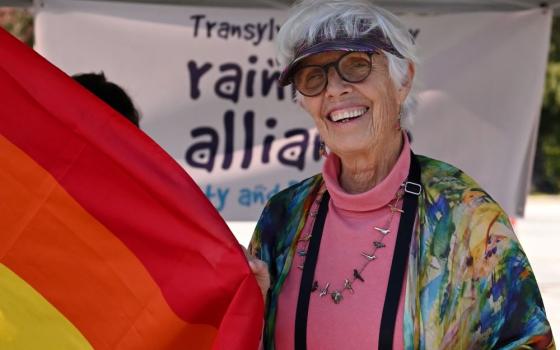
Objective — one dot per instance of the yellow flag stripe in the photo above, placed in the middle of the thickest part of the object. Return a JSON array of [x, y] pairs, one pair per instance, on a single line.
[[28, 321]]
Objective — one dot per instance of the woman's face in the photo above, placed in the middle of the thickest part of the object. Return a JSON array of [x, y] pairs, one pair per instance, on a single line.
[[353, 118]]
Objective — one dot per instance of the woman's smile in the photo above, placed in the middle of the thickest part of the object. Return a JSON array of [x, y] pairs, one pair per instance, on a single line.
[[345, 115]]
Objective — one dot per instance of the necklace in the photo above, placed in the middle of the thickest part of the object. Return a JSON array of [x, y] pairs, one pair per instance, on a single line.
[[369, 255], [411, 199]]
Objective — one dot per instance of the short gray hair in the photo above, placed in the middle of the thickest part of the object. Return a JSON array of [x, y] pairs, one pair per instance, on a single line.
[[328, 19]]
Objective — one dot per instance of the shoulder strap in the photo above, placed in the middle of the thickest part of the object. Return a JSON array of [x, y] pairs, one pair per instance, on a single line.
[[400, 256], [300, 335]]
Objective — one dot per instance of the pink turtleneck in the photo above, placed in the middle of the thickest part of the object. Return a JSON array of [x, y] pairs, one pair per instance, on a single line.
[[348, 231]]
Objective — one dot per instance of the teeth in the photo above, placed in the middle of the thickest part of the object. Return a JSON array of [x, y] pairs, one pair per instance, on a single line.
[[337, 116]]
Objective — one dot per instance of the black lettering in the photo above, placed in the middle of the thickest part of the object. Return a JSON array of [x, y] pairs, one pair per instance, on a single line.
[[268, 81], [195, 75], [204, 150], [249, 126], [223, 31], [293, 153], [261, 28], [228, 86], [267, 141], [249, 84], [317, 148], [229, 139], [197, 19], [249, 31], [271, 29], [209, 26], [235, 30]]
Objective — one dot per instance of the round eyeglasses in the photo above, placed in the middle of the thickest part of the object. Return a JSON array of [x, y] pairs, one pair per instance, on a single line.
[[352, 67]]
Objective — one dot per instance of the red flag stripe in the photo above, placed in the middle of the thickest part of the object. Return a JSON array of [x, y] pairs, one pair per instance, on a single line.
[[129, 185]]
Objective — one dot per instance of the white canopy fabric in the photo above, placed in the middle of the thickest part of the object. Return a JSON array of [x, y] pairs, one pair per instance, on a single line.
[[412, 6]]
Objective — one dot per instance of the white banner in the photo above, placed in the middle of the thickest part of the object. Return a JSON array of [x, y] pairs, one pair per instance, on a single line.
[[204, 81]]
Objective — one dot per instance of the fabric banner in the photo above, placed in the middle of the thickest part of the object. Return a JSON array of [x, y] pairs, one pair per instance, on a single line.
[[203, 78], [106, 242]]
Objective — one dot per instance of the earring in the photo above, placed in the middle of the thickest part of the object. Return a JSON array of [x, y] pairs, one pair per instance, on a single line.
[[322, 149], [399, 119]]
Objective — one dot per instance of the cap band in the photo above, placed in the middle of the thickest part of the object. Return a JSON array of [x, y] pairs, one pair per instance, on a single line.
[[373, 41]]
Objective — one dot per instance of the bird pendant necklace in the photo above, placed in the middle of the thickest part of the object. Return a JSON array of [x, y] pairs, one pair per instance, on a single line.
[[338, 292]]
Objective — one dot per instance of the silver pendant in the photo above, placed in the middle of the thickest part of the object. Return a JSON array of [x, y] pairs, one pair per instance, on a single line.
[[324, 291], [358, 276], [384, 231], [368, 256], [348, 285], [315, 286], [302, 252], [336, 297], [378, 244]]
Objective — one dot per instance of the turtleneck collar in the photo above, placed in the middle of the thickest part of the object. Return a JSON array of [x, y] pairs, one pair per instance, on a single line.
[[376, 197]]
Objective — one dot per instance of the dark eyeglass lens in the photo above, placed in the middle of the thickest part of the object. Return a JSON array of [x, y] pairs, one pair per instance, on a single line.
[[355, 67], [310, 80]]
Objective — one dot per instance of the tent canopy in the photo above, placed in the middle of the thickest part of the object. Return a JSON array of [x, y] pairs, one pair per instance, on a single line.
[[415, 6]]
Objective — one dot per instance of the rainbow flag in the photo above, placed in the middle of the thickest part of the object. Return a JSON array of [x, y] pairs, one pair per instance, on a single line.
[[105, 242]]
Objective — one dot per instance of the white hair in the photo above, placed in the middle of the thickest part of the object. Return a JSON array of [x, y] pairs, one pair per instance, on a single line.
[[329, 19]]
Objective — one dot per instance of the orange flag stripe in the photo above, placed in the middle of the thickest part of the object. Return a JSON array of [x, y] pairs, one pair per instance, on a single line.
[[76, 263]]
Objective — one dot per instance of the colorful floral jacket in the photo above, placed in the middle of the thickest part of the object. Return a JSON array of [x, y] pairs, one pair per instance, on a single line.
[[469, 284]]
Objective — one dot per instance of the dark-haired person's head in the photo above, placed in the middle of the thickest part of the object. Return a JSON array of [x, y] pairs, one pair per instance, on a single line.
[[110, 93]]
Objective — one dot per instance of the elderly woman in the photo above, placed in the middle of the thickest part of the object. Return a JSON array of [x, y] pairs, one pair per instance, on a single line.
[[384, 249]]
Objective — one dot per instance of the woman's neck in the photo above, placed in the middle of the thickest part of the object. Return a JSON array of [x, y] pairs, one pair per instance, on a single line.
[[360, 173]]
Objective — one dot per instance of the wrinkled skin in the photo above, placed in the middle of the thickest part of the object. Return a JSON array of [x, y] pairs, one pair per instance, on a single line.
[[367, 145]]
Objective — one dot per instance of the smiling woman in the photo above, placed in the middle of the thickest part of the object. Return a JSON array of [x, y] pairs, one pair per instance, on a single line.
[[359, 121], [384, 249]]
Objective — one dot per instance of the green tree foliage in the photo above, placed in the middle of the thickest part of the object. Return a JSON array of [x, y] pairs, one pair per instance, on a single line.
[[19, 22], [546, 172]]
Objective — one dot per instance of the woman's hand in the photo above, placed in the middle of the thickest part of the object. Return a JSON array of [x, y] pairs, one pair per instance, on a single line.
[[260, 271]]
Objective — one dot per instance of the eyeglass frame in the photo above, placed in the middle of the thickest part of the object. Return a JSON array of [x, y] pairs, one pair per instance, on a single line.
[[326, 67]]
